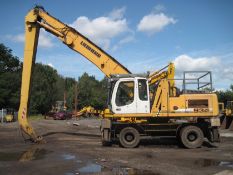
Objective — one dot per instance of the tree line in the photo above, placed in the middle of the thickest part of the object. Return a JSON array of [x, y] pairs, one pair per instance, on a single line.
[[47, 86], [225, 96]]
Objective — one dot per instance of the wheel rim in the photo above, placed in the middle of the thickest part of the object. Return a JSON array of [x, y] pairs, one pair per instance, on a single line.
[[192, 136], [129, 137]]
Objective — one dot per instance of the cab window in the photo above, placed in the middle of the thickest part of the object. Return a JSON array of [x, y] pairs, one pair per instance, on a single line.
[[125, 93], [142, 90]]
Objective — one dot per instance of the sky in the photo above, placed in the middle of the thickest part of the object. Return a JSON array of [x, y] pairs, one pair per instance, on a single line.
[[142, 35]]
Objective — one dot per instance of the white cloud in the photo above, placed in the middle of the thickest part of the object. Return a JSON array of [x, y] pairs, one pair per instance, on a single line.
[[222, 72], [228, 72], [51, 65], [16, 38], [125, 40], [154, 23], [102, 29], [187, 63], [117, 13], [45, 40], [159, 8]]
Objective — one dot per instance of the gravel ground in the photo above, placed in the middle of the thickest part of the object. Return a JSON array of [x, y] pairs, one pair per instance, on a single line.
[[76, 149]]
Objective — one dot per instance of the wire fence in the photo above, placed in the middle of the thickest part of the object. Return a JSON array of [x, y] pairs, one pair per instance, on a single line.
[[8, 115], [3, 113]]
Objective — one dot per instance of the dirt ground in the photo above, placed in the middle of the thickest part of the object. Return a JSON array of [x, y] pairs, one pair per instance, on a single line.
[[72, 150]]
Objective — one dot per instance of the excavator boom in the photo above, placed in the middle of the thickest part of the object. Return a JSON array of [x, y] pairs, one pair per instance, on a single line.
[[38, 18]]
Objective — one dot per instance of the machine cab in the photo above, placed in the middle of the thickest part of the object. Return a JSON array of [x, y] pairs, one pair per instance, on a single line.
[[130, 95]]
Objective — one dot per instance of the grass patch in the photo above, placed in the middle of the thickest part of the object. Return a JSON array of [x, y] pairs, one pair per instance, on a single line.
[[36, 117]]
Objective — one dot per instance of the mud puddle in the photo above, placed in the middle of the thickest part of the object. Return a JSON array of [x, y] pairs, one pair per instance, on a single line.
[[84, 167], [96, 168], [29, 155], [226, 164], [131, 171], [212, 162], [68, 157], [90, 167]]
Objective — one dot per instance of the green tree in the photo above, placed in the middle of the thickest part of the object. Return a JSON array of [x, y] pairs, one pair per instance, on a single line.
[[91, 92], [10, 78], [47, 86], [69, 89], [8, 62], [44, 90], [224, 96], [60, 88]]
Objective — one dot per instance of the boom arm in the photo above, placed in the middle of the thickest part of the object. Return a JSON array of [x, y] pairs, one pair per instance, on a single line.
[[162, 73], [38, 18]]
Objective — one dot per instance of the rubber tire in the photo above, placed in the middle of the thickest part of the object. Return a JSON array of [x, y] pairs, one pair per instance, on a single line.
[[179, 143], [191, 144], [132, 144]]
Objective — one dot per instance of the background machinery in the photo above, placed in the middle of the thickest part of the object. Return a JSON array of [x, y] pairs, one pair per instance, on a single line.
[[229, 109], [226, 115], [138, 104], [10, 115], [88, 111]]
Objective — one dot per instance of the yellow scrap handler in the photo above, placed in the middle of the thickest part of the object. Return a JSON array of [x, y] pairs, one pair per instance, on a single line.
[[138, 104]]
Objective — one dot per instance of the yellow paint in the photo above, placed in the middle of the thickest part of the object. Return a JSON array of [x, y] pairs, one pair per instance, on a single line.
[[9, 118], [31, 41], [165, 97], [38, 18], [229, 109]]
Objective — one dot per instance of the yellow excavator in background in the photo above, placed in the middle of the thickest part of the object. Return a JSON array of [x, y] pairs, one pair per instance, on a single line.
[[138, 104], [88, 111], [229, 109], [227, 115]]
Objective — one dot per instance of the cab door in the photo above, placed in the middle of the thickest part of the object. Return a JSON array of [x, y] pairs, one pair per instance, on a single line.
[[143, 102], [123, 98]]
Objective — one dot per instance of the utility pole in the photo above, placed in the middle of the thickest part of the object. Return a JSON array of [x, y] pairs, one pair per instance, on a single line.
[[75, 97], [2, 116], [64, 97], [64, 106]]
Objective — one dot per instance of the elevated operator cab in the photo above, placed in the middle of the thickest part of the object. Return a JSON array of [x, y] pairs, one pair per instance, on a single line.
[[129, 94]]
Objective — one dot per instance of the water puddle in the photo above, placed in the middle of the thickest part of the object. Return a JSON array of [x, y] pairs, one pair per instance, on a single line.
[[94, 168], [68, 157], [206, 162], [211, 162], [226, 164], [131, 171], [91, 168], [31, 154]]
